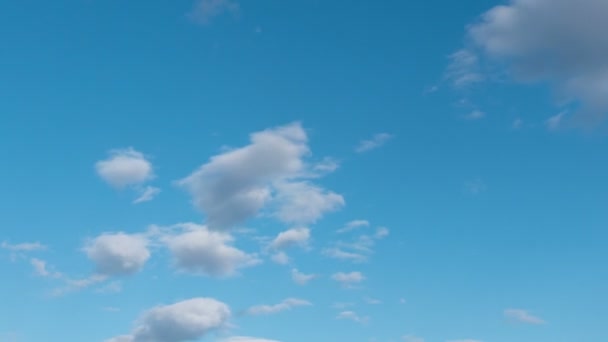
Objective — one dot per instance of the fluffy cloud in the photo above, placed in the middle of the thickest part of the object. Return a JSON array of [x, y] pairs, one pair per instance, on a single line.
[[286, 304], [205, 10], [183, 321], [301, 278], [302, 202], [124, 168], [280, 258], [246, 339], [371, 144], [550, 41], [234, 186], [118, 254], [523, 316], [197, 249], [353, 316], [291, 237], [348, 279]]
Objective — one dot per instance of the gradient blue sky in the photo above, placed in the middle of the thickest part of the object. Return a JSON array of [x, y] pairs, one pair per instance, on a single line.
[[153, 153]]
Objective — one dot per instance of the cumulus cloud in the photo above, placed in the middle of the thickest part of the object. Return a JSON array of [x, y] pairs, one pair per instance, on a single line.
[[375, 142], [523, 316], [302, 202], [353, 316], [348, 279], [205, 10], [286, 304], [196, 249], [234, 186], [291, 237], [301, 278], [183, 321], [246, 339], [118, 254], [549, 41], [125, 167]]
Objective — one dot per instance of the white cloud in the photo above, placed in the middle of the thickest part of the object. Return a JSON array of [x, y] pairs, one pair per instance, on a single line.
[[352, 225], [337, 253], [280, 258], [125, 167], [523, 316], [464, 69], [551, 41], [358, 250], [291, 237], [235, 185], [188, 320], [246, 339], [412, 338], [41, 268], [118, 254], [286, 304], [370, 144], [381, 233], [348, 279], [302, 202], [301, 278], [205, 10], [23, 247], [147, 194], [327, 165], [353, 316], [197, 249]]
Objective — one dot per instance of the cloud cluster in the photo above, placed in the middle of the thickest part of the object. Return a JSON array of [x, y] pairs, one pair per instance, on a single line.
[[358, 250], [236, 185]]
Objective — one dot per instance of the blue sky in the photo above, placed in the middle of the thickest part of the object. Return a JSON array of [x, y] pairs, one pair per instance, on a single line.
[[271, 171]]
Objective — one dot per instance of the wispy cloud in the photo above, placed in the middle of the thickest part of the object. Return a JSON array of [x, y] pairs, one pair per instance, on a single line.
[[206, 10], [353, 316], [523, 316], [371, 144], [286, 304]]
